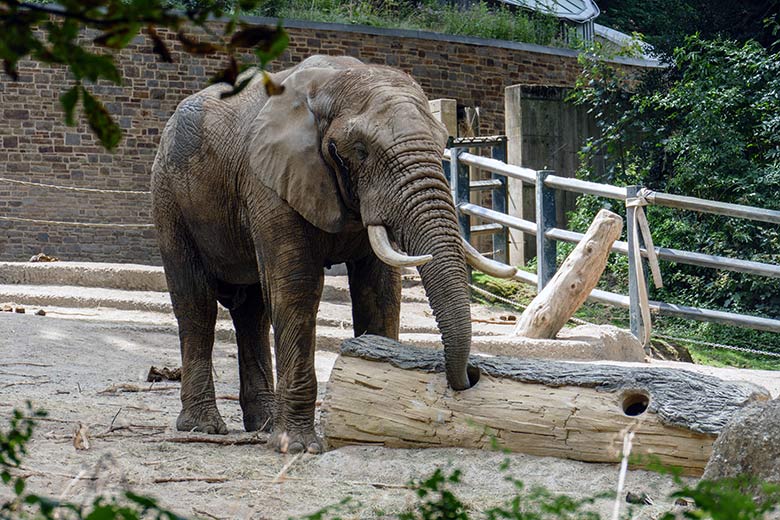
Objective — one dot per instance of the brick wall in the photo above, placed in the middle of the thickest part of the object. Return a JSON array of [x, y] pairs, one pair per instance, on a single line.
[[35, 145]]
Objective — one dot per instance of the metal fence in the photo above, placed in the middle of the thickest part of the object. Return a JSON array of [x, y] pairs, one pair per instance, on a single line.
[[458, 161]]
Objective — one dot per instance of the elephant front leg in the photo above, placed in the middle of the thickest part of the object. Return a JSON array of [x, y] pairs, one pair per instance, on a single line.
[[294, 314], [375, 288]]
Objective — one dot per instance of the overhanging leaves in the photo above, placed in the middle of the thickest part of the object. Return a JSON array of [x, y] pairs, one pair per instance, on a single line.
[[100, 121], [68, 101], [158, 45], [194, 46]]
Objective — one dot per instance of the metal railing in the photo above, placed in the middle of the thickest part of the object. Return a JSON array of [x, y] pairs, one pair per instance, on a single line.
[[458, 161]]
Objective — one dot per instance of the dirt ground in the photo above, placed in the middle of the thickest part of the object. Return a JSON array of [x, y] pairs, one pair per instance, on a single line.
[[66, 365]]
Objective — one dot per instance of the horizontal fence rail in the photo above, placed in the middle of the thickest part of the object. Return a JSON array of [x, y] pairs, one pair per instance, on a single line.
[[548, 234]]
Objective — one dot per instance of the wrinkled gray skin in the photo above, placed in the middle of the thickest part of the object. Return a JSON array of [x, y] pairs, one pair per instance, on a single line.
[[253, 196]]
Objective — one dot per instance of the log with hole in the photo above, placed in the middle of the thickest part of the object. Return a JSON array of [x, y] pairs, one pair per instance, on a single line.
[[383, 392]]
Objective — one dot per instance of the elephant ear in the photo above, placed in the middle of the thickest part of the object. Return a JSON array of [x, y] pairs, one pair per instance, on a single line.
[[284, 151]]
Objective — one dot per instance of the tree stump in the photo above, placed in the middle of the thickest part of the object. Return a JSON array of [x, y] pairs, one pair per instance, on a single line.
[[383, 392], [572, 283]]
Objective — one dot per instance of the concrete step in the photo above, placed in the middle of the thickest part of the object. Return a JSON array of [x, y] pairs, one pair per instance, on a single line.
[[131, 277], [335, 291], [135, 277], [155, 310], [573, 344]]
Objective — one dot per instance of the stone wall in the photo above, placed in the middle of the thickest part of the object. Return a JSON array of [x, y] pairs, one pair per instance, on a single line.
[[36, 146]]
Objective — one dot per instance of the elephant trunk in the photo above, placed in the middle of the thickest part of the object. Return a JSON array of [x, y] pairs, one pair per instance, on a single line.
[[427, 225]]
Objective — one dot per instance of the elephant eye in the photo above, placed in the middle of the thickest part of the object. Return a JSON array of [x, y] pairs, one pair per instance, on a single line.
[[360, 151]]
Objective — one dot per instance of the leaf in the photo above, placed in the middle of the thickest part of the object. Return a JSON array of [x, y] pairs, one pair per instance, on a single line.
[[81, 435], [10, 69], [254, 35], [94, 66], [159, 47], [271, 88], [19, 486], [275, 49], [228, 74], [193, 46], [68, 101], [100, 121], [237, 89], [117, 38]]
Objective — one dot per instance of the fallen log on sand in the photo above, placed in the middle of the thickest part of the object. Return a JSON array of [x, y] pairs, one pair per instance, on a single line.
[[383, 392]]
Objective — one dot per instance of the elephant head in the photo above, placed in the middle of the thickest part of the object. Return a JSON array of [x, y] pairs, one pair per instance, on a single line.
[[348, 142]]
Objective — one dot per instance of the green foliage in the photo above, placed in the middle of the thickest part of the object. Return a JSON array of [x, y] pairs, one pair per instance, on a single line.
[[666, 23], [56, 34], [707, 127], [729, 499], [13, 445], [477, 19]]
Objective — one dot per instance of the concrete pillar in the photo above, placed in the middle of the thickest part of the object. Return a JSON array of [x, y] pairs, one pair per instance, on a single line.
[[446, 111], [544, 132]]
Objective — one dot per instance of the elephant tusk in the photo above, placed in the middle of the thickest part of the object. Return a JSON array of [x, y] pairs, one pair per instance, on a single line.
[[486, 265], [380, 243]]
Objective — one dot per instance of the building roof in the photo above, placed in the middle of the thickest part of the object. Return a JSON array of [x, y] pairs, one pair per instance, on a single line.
[[574, 10]]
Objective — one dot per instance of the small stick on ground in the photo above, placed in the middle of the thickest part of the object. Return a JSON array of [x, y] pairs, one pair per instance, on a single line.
[[24, 363], [126, 387], [166, 461], [377, 485], [228, 397], [72, 483], [23, 383], [217, 440], [30, 472], [283, 472], [17, 374], [206, 513], [210, 480], [493, 322]]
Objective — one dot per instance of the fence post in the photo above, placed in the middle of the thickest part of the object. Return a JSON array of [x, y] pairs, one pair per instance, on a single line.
[[546, 249], [634, 265], [499, 197], [445, 163], [461, 190], [459, 185]]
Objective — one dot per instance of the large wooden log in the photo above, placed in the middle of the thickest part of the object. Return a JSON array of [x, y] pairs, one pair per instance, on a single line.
[[383, 392], [572, 283]]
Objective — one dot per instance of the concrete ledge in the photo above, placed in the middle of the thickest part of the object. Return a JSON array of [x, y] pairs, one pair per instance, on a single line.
[[128, 277]]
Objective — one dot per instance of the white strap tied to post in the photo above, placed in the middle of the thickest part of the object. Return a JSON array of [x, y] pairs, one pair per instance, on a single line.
[[640, 224]]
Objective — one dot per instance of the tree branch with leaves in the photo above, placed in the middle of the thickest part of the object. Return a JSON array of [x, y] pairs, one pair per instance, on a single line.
[[56, 34]]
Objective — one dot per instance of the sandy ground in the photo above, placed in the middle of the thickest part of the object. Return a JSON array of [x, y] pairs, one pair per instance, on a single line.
[[65, 366]]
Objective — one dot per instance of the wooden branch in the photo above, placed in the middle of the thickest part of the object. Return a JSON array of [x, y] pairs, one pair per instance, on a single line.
[[571, 285], [221, 439], [210, 480], [383, 392], [127, 387]]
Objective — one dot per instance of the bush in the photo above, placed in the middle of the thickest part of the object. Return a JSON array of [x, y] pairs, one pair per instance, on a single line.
[[478, 19], [437, 498], [708, 127]]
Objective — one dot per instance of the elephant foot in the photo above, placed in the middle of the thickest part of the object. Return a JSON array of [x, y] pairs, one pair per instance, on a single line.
[[285, 441], [205, 419], [258, 411], [260, 421]]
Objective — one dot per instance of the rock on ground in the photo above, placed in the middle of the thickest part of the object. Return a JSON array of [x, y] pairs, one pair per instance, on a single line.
[[749, 445]]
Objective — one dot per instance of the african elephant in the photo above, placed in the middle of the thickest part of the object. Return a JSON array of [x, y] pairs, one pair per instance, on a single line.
[[253, 195]]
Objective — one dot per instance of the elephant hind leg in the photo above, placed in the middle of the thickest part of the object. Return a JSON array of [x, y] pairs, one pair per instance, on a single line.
[[252, 324], [195, 306], [375, 288]]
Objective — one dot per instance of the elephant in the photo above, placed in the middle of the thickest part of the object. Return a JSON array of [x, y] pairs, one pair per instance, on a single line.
[[253, 194]]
